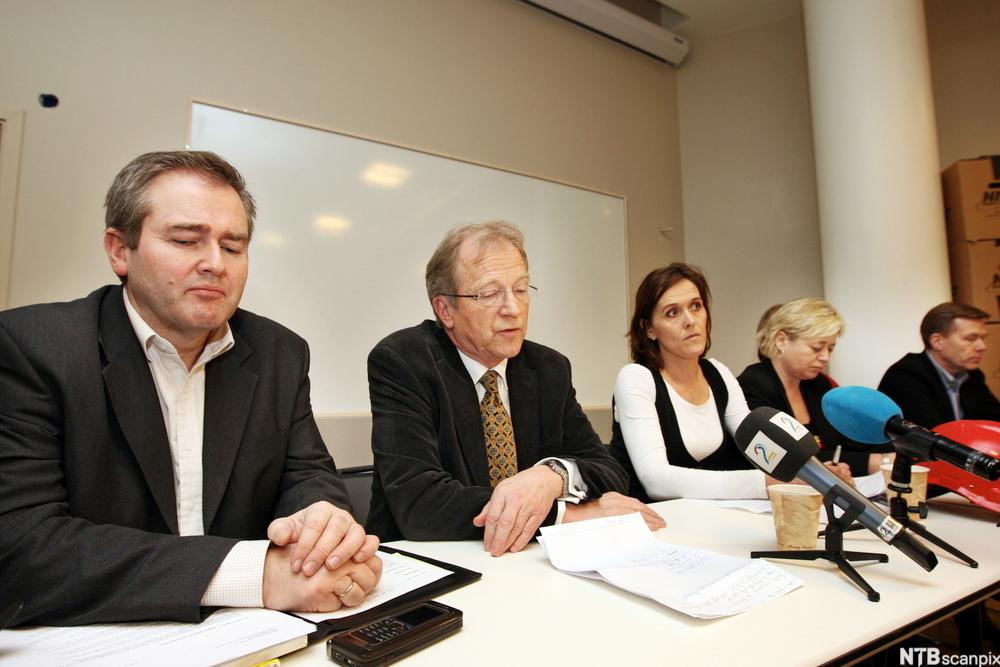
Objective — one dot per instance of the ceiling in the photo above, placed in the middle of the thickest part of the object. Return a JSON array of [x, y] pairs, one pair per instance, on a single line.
[[716, 17]]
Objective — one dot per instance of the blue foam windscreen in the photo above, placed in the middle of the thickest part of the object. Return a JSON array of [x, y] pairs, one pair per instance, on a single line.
[[860, 413]]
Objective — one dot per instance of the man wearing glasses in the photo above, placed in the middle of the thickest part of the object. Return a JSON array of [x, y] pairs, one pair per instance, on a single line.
[[477, 433]]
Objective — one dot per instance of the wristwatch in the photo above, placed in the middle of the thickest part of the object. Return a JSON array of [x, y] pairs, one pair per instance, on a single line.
[[560, 470]]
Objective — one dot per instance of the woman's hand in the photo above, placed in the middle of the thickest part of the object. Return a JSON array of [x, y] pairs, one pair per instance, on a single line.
[[841, 470]]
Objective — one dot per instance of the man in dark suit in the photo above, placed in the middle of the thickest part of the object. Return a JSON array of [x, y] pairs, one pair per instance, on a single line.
[[153, 436], [943, 383], [477, 433]]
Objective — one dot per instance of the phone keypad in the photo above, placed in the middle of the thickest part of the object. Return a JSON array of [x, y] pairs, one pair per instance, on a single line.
[[382, 631]]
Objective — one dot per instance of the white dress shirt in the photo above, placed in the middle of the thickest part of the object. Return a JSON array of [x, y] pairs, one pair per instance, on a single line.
[[577, 487], [238, 581]]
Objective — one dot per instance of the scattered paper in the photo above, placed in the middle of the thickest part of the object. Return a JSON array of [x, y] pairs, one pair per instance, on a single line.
[[869, 486], [622, 551], [226, 635], [750, 505], [400, 575]]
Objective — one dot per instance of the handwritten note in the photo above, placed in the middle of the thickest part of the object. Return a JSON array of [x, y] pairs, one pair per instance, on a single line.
[[622, 551]]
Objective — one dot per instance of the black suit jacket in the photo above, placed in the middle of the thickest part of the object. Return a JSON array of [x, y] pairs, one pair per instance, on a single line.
[[88, 522], [914, 383], [427, 439], [762, 387]]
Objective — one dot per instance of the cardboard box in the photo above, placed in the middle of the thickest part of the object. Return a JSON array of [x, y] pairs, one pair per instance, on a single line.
[[975, 275], [990, 365], [972, 199]]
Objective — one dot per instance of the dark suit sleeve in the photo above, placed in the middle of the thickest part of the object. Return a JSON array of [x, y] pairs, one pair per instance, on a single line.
[[756, 388], [68, 570], [426, 501], [598, 468], [914, 395], [310, 474], [978, 401]]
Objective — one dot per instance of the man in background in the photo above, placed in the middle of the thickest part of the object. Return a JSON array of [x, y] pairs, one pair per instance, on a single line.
[[943, 383]]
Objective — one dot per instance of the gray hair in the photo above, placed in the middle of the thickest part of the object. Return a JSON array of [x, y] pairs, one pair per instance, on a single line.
[[441, 275]]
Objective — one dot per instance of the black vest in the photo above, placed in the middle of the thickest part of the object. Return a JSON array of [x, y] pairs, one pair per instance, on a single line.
[[726, 457]]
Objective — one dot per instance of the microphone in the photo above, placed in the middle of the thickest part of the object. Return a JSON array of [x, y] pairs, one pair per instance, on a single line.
[[783, 448], [870, 416]]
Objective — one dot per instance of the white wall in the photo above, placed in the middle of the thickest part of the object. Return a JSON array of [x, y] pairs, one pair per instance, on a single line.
[[494, 81], [964, 41], [747, 158], [749, 183]]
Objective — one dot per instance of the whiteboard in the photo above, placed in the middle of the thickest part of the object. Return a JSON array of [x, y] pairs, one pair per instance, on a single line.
[[345, 227]]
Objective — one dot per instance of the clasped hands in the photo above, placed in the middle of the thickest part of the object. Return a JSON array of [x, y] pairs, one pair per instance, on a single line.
[[520, 503], [320, 559]]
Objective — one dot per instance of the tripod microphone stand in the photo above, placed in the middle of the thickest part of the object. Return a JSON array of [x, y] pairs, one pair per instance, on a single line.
[[901, 511], [833, 550]]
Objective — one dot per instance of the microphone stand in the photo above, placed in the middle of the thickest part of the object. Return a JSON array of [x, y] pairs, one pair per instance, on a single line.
[[900, 511], [833, 550]]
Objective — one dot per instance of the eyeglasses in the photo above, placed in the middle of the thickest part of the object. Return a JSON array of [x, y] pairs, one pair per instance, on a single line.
[[494, 297]]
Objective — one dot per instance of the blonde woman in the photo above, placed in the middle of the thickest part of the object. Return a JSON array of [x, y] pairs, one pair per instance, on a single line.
[[795, 344]]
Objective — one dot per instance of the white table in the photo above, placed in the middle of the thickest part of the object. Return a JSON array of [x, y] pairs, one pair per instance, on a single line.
[[524, 611]]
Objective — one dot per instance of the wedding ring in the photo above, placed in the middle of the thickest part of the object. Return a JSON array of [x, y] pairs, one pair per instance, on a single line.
[[349, 589]]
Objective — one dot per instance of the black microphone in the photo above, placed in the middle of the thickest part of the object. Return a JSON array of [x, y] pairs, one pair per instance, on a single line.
[[870, 416], [783, 448]]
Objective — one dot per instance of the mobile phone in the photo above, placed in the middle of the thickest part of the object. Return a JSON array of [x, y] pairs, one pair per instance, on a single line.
[[394, 637]]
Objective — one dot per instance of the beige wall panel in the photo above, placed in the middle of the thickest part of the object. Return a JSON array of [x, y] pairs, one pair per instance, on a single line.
[[493, 81], [963, 37], [748, 178]]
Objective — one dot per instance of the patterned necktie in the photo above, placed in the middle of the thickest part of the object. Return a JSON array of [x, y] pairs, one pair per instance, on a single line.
[[501, 453]]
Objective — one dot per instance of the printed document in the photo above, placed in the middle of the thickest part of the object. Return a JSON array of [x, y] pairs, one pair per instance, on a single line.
[[243, 636]]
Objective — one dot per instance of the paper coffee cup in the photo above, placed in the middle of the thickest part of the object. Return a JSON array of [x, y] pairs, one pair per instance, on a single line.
[[918, 484], [796, 515]]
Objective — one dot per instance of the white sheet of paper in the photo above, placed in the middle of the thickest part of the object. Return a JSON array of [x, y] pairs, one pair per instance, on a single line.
[[226, 635], [759, 507], [584, 546], [623, 552], [707, 585], [400, 575], [870, 485], [756, 506]]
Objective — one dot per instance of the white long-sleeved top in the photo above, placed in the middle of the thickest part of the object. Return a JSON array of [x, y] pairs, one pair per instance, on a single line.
[[635, 412]]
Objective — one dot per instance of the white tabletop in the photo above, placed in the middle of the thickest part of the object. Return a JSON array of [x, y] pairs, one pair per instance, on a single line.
[[525, 610]]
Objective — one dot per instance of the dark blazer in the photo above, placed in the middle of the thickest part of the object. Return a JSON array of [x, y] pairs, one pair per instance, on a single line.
[[88, 521], [914, 383], [762, 387], [427, 435]]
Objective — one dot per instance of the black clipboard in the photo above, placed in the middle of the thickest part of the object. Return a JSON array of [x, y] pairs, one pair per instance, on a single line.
[[459, 577]]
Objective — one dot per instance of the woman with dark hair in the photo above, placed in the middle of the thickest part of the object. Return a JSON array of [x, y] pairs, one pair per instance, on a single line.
[[675, 411]]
